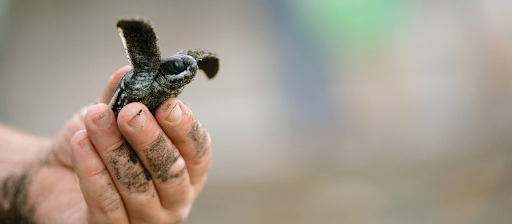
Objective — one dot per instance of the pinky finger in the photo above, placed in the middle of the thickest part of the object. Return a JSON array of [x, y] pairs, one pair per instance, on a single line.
[[102, 198]]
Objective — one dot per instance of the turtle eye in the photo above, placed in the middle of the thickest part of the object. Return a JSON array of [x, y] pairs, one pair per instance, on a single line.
[[173, 66], [179, 65]]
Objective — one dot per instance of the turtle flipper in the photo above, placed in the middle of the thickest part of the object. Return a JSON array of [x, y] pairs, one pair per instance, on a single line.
[[206, 61], [141, 45]]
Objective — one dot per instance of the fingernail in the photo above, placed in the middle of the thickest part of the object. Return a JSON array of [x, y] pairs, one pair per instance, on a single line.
[[139, 120], [104, 120], [85, 144], [175, 115]]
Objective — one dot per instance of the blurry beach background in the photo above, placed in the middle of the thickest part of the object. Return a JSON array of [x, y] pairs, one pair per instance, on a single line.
[[326, 111]]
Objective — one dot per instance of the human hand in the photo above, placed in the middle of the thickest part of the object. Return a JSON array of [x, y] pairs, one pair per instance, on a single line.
[[156, 182]]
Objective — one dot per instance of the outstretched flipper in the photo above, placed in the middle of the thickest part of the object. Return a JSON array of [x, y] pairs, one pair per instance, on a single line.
[[141, 45], [206, 61]]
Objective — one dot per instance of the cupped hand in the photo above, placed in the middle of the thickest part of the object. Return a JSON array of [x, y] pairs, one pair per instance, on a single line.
[[136, 168]]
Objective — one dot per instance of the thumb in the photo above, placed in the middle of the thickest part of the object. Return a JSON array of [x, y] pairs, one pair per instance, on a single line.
[[61, 153], [112, 84]]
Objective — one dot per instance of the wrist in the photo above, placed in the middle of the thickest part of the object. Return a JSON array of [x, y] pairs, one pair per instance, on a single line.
[[21, 151], [21, 157]]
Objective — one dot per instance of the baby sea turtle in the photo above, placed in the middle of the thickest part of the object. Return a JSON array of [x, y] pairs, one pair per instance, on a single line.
[[152, 79]]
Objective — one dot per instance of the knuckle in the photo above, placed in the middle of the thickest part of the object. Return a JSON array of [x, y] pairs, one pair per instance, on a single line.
[[178, 170], [200, 138], [199, 185], [126, 168], [109, 200], [97, 171], [148, 140], [163, 158], [182, 214], [139, 191], [110, 204], [114, 144], [208, 140]]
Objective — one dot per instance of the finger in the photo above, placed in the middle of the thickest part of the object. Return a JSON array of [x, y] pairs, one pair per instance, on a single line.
[[103, 201], [158, 154], [61, 153], [130, 177], [190, 137], [112, 84]]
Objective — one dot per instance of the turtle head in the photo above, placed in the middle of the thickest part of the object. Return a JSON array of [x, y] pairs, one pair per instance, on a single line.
[[176, 71]]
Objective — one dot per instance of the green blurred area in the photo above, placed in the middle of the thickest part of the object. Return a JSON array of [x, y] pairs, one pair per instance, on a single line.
[[349, 23]]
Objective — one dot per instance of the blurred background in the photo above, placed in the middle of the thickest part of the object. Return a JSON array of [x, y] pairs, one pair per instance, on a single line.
[[326, 111]]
